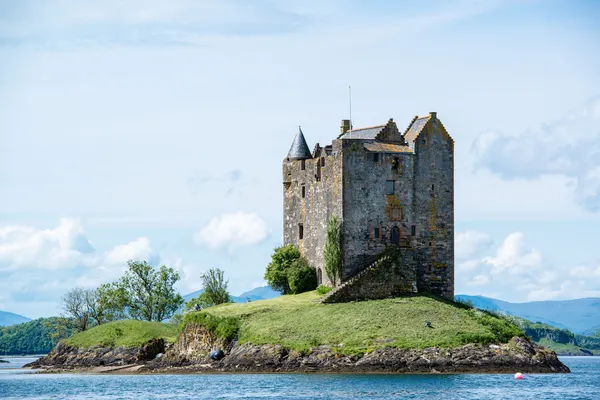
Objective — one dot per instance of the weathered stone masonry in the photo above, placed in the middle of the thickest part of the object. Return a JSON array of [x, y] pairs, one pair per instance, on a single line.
[[388, 189]]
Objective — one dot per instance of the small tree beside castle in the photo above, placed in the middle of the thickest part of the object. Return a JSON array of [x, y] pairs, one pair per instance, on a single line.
[[332, 253]]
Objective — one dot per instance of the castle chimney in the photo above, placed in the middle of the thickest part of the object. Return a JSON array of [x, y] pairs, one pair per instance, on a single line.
[[433, 114], [345, 127]]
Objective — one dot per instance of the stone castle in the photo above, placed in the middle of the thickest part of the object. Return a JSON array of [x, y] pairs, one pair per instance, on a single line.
[[390, 191]]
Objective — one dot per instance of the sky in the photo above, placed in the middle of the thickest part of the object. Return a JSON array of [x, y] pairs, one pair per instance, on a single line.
[[155, 130]]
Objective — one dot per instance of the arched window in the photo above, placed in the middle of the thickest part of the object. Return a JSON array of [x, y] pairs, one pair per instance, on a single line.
[[395, 235], [319, 276]]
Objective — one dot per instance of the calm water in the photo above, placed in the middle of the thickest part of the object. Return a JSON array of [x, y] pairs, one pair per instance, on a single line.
[[583, 383]]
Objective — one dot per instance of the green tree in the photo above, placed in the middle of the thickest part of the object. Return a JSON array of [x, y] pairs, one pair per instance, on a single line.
[[150, 294], [107, 303], [282, 259], [215, 290], [332, 252], [301, 276]]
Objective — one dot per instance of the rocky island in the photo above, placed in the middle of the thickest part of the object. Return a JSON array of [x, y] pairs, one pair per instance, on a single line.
[[298, 333]]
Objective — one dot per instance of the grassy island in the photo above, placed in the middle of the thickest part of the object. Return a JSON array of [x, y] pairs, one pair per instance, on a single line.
[[125, 333], [300, 322]]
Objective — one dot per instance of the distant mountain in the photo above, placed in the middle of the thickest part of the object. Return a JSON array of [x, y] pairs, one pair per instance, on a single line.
[[581, 316], [259, 293], [8, 318]]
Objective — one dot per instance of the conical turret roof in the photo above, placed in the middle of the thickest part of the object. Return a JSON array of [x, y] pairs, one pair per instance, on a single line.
[[299, 149]]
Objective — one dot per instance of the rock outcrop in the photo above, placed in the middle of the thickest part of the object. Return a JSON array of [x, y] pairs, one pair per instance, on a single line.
[[65, 356]]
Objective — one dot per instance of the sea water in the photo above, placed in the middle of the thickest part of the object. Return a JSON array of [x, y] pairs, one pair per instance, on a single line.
[[582, 383]]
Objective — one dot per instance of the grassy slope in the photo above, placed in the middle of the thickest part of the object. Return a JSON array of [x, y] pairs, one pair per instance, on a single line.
[[126, 333], [300, 322]]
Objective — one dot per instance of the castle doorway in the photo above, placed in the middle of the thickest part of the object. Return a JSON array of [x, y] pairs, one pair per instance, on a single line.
[[395, 235], [319, 276]]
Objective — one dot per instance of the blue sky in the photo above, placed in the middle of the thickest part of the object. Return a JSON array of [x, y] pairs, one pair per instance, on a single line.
[[156, 130]]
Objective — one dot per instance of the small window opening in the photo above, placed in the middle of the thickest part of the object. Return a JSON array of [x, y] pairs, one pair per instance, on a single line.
[[300, 231], [389, 187], [322, 161], [413, 230], [395, 163], [376, 233], [429, 244], [432, 187], [376, 157], [303, 165], [303, 191], [423, 141], [395, 236]]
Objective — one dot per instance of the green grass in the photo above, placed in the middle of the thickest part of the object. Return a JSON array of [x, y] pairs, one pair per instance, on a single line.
[[126, 333], [565, 348], [299, 322]]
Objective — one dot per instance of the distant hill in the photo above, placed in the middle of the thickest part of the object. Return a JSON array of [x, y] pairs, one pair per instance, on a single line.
[[259, 293], [562, 341], [34, 337], [581, 316], [8, 318]]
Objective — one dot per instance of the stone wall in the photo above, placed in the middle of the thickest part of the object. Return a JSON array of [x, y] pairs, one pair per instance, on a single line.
[[322, 180], [434, 208], [392, 275], [368, 207]]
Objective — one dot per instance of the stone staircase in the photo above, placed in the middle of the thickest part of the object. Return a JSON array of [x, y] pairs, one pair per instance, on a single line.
[[354, 279]]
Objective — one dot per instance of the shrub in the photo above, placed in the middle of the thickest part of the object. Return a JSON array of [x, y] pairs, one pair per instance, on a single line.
[[222, 327], [282, 259], [322, 289], [301, 277], [332, 253]]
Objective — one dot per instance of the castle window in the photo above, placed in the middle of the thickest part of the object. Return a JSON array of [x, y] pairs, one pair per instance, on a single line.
[[302, 165], [423, 141], [376, 233], [376, 157], [429, 244], [395, 239], [389, 187], [322, 161], [300, 231], [395, 164], [413, 230], [303, 190], [432, 187]]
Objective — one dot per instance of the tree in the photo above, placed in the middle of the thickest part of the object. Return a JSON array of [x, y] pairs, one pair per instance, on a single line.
[[281, 260], [75, 307], [149, 294], [301, 276], [332, 252], [107, 303], [215, 290]]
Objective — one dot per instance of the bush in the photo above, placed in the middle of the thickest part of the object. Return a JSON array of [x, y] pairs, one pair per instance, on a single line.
[[332, 253], [301, 277], [322, 289], [282, 259], [222, 327]]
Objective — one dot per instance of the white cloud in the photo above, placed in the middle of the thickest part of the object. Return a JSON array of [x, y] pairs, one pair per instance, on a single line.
[[569, 147], [518, 272], [39, 265], [139, 249], [65, 246], [233, 230], [467, 244]]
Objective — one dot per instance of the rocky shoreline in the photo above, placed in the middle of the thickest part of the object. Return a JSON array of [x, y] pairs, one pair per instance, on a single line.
[[156, 357]]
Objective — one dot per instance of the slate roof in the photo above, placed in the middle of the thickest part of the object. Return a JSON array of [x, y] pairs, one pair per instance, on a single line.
[[415, 128], [299, 147], [387, 148], [363, 133]]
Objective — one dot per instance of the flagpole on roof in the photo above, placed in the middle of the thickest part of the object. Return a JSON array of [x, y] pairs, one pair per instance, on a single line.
[[350, 104]]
